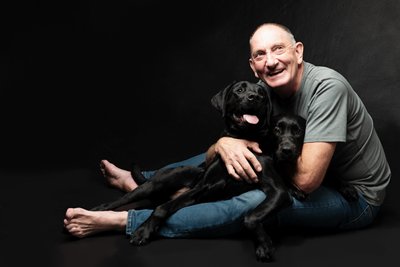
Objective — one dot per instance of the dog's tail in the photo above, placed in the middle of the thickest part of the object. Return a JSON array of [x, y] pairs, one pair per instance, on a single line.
[[137, 175]]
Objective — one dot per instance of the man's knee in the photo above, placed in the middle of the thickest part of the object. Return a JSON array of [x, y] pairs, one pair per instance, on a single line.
[[251, 199]]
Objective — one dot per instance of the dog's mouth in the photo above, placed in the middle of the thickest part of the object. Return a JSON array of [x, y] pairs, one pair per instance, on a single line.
[[246, 118]]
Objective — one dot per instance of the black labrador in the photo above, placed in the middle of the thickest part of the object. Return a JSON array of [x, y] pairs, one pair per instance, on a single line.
[[245, 108]]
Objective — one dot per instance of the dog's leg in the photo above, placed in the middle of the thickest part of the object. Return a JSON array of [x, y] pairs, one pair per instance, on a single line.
[[165, 183], [141, 192], [144, 233], [264, 248], [277, 198], [137, 175]]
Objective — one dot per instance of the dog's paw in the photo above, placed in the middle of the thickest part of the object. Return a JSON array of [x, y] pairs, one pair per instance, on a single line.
[[140, 237], [349, 192], [265, 253]]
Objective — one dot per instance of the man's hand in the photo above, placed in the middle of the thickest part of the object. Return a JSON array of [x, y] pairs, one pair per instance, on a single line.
[[239, 157]]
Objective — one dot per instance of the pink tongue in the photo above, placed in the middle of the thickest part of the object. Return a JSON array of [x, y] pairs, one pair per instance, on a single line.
[[252, 119]]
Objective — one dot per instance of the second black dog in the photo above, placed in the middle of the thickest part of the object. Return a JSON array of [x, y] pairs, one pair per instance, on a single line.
[[246, 109]]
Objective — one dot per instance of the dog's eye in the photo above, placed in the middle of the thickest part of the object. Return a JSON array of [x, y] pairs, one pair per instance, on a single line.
[[240, 90], [296, 131], [277, 131]]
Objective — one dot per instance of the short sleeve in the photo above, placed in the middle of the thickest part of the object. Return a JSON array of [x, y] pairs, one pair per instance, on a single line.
[[327, 112]]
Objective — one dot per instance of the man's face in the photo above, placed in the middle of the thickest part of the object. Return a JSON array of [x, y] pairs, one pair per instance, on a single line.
[[275, 58]]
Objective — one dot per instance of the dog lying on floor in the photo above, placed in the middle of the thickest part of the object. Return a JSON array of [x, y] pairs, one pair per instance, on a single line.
[[246, 109]]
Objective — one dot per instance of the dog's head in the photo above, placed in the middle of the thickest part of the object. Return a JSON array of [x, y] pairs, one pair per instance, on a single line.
[[246, 109], [288, 134]]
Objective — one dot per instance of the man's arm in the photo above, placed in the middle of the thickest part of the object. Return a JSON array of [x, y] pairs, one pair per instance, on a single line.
[[312, 165], [238, 157]]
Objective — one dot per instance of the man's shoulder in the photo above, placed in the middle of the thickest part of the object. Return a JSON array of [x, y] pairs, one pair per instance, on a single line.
[[321, 73]]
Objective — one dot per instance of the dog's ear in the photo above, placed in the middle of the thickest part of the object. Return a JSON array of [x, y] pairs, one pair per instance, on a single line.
[[218, 100]]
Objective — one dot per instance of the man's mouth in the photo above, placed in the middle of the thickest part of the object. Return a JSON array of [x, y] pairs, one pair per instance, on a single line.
[[251, 119], [275, 72]]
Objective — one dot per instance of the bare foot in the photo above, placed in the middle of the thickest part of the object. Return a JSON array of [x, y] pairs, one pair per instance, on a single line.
[[81, 223], [117, 177]]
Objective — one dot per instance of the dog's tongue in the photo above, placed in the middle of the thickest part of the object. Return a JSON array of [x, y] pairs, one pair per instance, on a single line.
[[252, 119]]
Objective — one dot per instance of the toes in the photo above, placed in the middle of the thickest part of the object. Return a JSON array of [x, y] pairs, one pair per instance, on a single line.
[[102, 166], [69, 214]]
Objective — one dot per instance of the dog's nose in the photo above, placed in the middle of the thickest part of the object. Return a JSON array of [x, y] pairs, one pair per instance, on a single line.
[[286, 150], [251, 97]]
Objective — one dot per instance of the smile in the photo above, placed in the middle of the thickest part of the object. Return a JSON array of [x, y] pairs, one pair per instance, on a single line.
[[274, 73]]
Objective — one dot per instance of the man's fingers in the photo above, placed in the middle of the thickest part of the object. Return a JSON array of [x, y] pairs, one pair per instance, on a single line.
[[244, 168], [238, 173], [239, 158], [232, 172], [255, 147], [245, 171], [241, 169], [254, 162], [251, 174]]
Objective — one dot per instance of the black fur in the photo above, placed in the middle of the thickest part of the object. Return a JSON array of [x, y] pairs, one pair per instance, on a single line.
[[246, 109]]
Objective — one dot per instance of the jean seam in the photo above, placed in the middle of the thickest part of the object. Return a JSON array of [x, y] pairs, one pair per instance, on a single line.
[[129, 228], [365, 211]]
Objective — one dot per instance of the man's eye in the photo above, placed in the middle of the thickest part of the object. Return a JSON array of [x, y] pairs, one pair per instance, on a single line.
[[258, 56], [278, 50]]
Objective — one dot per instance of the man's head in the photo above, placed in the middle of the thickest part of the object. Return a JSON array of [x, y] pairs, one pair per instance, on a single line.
[[276, 58]]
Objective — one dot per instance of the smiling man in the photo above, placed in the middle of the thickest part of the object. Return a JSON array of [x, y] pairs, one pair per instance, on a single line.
[[276, 58], [340, 143]]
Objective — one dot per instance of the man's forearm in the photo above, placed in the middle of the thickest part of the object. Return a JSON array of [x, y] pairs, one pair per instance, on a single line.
[[312, 165]]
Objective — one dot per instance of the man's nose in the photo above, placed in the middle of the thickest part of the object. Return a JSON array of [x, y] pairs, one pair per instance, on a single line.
[[270, 60]]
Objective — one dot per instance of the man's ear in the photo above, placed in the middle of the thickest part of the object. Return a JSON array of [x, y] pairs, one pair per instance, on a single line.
[[218, 100], [299, 49]]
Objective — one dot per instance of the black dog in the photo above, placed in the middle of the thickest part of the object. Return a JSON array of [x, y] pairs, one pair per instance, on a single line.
[[246, 110]]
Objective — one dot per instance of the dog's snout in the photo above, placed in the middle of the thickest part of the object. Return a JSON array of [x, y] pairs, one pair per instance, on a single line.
[[287, 148], [251, 97]]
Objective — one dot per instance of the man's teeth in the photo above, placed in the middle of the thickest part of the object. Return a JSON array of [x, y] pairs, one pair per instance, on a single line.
[[275, 73]]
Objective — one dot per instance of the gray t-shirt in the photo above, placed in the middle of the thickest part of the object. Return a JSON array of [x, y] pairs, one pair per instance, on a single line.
[[335, 113]]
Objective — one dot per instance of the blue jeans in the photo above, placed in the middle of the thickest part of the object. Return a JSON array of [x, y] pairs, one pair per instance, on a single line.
[[325, 208]]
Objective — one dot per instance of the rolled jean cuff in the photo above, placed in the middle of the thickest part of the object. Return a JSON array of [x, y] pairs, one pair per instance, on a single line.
[[136, 218]]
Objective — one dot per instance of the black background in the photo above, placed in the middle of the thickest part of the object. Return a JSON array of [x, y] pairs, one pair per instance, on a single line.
[[132, 80]]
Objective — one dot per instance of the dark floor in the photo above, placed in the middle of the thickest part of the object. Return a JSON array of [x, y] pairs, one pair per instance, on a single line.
[[31, 233]]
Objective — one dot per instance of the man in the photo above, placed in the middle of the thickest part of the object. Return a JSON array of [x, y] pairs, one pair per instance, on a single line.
[[340, 142]]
